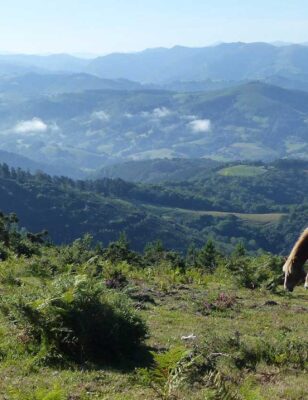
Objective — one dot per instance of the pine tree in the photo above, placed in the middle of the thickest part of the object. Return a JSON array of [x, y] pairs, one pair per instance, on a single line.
[[239, 250], [207, 256]]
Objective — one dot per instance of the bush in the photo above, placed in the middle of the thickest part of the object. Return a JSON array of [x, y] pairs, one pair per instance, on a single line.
[[116, 280], [254, 272], [221, 303], [77, 253], [24, 247], [162, 376], [39, 394], [214, 364], [78, 319], [3, 252], [246, 352]]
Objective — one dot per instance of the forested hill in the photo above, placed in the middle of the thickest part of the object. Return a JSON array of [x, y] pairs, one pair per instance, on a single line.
[[80, 132], [158, 170], [264, 206]]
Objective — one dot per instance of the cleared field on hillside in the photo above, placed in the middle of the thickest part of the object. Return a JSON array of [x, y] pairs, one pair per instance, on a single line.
[[169, 212], [242, 171]]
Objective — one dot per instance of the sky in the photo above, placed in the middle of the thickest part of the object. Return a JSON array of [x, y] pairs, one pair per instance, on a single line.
[[103, 26]]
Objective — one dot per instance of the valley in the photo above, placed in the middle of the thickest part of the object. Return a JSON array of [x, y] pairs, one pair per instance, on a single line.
[[153, 200]]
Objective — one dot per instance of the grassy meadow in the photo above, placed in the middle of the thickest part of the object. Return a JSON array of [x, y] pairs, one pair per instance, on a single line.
[[225, 332]]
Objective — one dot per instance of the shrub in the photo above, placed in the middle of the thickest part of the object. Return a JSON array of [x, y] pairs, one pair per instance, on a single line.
[[116, 280], [77, 253], [3, 252], [178, 368], [246, 352], [39, 394], [162, 376], [78, 319], [255, 272], [222, 302], [212, 365], [207, 256], [24, 247]]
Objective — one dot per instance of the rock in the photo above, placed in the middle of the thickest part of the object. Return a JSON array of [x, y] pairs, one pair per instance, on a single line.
[[189, 337]]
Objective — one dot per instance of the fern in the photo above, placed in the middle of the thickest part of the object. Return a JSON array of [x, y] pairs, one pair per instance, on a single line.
[[215, 381]]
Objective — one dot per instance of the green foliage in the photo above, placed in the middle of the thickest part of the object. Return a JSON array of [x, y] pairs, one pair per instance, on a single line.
[[254, 272], [210, 365], [60, 324], [74, 318], [11, 238], [39, 394], [4, 252], [243, 170], [163, 375], [120, 251], [239, 251], [155, 254], [223, 302], [220, 390], [207, 256], [265, 211], [248, 391], [249, 351]]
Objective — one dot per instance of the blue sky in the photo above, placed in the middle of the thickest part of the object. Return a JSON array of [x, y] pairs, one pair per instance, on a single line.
[[104, 26]]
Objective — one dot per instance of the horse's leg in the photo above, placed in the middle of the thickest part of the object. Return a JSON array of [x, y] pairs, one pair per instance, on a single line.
[[306, 281]]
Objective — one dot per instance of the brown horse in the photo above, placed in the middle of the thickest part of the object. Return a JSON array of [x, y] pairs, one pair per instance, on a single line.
[[294, 266]]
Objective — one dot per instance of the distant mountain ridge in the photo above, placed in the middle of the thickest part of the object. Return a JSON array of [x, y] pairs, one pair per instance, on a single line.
[[19, 161], [223, 62], [227, 61], [36, 84], [53, 62], [233, 101], [158, 170]]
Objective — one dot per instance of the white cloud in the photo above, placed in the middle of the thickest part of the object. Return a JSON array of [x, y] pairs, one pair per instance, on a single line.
[[54, 127], [189, 117], [101, 115], [200, 125], [130, 135], [157, 113], [161, 112], [34, 125], [128, 115]]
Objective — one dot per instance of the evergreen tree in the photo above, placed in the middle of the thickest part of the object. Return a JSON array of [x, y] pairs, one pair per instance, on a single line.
[[239, 250], [192, 256], [207, 257]]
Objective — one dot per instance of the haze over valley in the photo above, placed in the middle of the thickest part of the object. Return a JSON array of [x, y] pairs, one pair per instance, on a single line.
[[153, 200], [232, 101]]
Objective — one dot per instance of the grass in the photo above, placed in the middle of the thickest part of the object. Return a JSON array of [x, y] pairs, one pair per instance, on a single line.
[[173, 312], [243, 171], [169, 212]]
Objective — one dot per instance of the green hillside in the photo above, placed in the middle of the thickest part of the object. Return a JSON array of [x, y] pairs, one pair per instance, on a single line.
[[83, 322], [93, 129], [267, 211], [242, 170], [157, 170]]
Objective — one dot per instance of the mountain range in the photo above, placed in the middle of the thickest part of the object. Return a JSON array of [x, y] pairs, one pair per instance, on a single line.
[[91, 129], [227, 102], [224, 62], [227, 61]]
